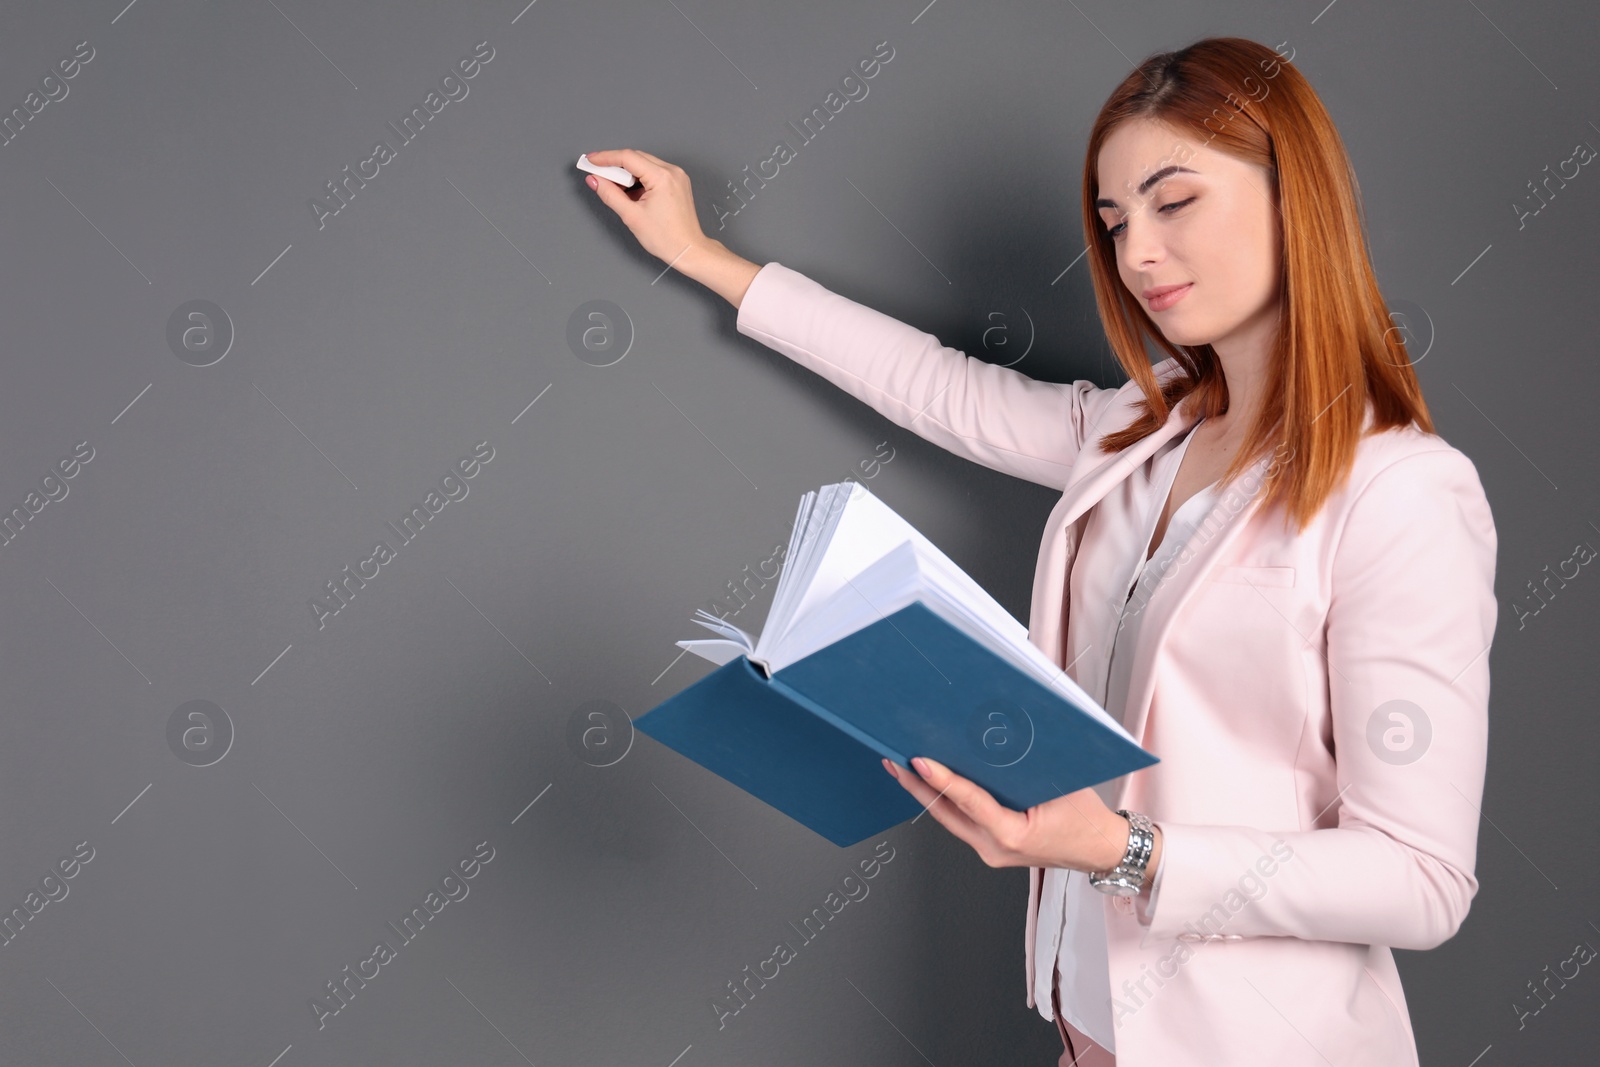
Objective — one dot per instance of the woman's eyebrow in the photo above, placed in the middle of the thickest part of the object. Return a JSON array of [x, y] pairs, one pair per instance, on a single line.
[[1164, 172]]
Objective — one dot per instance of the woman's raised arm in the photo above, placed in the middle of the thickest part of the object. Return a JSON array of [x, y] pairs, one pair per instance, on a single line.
[[980, 411]]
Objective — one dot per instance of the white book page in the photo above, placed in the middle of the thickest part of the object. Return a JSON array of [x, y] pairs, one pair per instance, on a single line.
[[820, 513], [909, 573], [787, 576], [715, 649], [866, 531], [723, 627], [852, 561], [870, 530]]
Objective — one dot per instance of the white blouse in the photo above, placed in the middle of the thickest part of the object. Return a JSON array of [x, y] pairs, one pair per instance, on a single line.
[[1071, 929]]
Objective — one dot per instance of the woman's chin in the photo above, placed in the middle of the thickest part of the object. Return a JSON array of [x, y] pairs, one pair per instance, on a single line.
[[1186, 337]]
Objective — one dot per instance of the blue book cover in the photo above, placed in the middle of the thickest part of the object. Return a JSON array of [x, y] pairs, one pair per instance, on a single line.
[[808, 739]]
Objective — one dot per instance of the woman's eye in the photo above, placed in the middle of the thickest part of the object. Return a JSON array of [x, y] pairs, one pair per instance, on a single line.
[[1116, 231]]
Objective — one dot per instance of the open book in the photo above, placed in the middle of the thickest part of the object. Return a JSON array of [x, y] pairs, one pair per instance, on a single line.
[[877, 644]]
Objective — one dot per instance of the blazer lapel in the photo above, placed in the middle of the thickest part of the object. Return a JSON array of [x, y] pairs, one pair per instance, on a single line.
[[1227, 518], [1229, 515], [1088, 483], [1092, 478]]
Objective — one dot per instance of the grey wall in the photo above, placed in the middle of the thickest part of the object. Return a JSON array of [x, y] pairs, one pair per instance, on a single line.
[[248, 848]]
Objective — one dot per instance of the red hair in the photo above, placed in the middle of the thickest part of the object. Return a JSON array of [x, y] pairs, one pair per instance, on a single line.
[[1335, 352]]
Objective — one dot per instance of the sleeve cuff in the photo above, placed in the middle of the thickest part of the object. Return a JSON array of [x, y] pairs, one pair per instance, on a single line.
[[1145, 906]]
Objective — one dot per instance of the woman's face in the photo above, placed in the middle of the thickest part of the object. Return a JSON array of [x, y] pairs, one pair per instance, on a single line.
[[1196, 234]]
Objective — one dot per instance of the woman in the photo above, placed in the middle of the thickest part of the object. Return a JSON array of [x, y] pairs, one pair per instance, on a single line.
[[1264, 561]]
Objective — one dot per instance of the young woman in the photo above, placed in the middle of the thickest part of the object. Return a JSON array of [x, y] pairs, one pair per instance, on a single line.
[[1264, 561]]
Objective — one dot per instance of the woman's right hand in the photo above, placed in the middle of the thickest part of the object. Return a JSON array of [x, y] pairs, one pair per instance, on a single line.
[[659, 209], [660, 212]]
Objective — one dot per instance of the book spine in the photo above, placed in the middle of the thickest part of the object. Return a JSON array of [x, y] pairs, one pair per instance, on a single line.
[[833, 720]]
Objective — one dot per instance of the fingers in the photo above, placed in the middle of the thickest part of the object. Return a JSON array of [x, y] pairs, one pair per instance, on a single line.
[[972, 799], [922, 791], [659, 210], [642, 165], [1005, 838], [949, 815], [955, 803], [614, 196]]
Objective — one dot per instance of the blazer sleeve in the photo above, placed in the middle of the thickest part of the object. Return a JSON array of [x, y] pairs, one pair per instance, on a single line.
[[1411, 618], [989, 414]]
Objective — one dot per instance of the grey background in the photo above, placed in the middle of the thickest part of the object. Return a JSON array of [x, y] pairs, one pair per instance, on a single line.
[[373, 354]]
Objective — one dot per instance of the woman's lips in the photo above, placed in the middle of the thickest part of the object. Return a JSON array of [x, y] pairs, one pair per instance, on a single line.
[[1166, 296]]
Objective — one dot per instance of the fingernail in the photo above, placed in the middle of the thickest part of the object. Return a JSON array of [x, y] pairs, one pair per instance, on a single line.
[[890, 768], [594, 183], [921, 765]]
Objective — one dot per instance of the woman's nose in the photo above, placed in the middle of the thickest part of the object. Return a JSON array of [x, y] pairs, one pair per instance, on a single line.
[[1141, 244]]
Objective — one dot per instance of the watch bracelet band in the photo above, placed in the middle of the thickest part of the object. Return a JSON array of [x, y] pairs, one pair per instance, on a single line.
[[1126, 879]]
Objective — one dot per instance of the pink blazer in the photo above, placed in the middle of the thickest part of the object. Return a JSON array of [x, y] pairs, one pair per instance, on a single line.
[[1319, 701]]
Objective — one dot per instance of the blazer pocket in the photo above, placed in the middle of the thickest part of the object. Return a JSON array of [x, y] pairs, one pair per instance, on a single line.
[[1240, 574]]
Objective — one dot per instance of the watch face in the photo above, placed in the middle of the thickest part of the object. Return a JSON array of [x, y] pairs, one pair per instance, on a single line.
[[1119, 886]]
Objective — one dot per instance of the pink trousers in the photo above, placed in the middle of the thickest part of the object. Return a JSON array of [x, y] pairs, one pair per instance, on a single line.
[[1081, 1050]]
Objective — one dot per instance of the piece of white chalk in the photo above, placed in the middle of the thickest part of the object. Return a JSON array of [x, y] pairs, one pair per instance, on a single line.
[[620, 175]]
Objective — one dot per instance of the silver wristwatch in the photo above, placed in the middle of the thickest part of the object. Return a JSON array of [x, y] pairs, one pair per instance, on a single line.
[[1127, 877]]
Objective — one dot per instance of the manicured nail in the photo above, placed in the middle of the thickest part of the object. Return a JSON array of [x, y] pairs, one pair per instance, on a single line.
[[921, 765], [890, 768]]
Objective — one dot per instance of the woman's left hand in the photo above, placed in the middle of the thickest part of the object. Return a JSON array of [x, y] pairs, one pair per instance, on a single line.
[[1077, 830]]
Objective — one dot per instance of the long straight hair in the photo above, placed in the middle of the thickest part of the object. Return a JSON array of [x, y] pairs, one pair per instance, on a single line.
[[1335, 352]]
